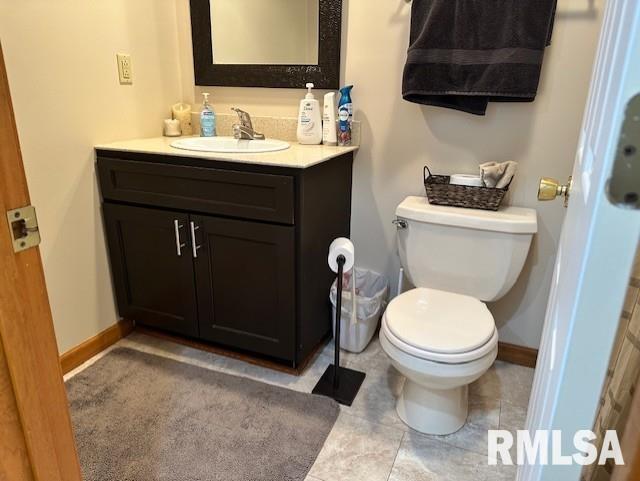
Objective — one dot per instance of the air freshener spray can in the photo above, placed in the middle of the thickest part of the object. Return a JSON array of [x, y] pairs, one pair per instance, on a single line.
[[345, 116]]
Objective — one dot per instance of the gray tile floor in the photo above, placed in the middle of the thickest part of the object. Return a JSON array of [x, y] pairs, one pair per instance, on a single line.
[[368, 441]]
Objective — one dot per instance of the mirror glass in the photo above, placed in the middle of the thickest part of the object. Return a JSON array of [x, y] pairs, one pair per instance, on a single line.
[[265, 32]]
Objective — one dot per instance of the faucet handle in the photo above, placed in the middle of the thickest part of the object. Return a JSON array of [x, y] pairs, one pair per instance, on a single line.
[[245, 118]]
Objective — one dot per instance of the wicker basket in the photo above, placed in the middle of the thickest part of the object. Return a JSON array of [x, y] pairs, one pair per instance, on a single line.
[[441, 192]]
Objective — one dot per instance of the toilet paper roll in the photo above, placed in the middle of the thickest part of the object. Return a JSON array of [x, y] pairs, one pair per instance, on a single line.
[[466, 179], [341, 246]]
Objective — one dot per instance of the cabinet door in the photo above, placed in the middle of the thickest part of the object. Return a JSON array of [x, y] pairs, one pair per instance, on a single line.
[[245, 284], [152, 264]]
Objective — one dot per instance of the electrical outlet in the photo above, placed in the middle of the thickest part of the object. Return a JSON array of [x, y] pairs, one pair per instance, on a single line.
[[124, 68]]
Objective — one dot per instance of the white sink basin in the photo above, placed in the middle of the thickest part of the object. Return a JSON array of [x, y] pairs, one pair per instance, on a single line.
[[229, 145]]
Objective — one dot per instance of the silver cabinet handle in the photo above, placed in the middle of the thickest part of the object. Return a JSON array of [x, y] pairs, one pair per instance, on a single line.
[[194, 245], [177, 226]]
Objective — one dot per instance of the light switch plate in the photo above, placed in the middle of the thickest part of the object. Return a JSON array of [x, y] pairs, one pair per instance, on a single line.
[[124, 68]]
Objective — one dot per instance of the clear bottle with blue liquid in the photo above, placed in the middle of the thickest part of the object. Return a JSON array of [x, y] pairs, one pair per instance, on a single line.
[[207, 118]]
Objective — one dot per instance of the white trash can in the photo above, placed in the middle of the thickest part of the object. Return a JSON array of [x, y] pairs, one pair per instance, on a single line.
[[371, 291]]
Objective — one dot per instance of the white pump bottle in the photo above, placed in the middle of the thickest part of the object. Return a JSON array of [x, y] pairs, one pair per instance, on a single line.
[[309, 120]]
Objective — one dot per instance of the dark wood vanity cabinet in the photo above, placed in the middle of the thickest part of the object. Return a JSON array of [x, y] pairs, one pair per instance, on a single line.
[[230, 253]]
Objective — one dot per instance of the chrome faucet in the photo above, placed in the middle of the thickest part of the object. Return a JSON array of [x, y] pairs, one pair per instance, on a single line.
[[244, 129]]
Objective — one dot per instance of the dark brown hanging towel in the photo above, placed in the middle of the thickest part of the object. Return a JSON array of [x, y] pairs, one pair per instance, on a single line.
[[466, 53]]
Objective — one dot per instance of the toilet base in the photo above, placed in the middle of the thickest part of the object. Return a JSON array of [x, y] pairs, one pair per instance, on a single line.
[[433, 411]]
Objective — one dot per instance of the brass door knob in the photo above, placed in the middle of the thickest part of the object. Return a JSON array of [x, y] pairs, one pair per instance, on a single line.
[[550, 188]]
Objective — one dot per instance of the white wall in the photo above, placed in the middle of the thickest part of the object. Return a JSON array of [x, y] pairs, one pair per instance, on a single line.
[[400, 137], [60, 59]]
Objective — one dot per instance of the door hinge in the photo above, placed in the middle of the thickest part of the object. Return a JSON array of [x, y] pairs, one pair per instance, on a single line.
[[23, 228], [623, 188]]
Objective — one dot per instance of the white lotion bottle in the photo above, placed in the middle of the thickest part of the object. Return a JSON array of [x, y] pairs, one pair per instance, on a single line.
[[309, 120], [329, 118]]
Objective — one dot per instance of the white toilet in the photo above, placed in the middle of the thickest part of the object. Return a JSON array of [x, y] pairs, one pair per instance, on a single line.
[[440, 335]]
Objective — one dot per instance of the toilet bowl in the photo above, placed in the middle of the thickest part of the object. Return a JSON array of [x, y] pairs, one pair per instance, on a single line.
[[440, 335], [441, 342]]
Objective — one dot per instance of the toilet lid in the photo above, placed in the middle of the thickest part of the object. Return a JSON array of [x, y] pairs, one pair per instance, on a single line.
[[439, 321]]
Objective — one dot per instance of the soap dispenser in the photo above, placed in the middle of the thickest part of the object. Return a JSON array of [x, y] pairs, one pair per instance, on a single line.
[[309, 119], [207, 118]]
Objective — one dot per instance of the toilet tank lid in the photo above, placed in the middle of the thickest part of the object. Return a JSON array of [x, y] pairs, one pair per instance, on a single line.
[[514, 220]]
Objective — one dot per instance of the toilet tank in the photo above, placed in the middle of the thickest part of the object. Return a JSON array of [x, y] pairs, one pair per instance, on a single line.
[[474, 252]]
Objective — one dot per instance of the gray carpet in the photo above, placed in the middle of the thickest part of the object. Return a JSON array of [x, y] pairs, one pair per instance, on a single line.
[[140, 417]]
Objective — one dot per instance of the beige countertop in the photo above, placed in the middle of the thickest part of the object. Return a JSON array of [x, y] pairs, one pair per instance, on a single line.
[[296, 156]]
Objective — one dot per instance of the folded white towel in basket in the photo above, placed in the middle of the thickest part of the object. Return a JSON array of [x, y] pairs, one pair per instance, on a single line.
[[498, 175]]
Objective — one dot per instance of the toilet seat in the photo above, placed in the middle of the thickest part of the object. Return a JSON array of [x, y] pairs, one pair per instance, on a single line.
[[440, 326]]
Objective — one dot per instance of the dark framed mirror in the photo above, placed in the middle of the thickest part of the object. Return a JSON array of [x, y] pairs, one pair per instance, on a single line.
[[266, 43]]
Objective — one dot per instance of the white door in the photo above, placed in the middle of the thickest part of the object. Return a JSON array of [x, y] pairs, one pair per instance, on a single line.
[[596, 250]]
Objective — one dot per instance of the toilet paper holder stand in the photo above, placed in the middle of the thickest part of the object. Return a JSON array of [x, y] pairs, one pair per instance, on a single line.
[[337, 382]]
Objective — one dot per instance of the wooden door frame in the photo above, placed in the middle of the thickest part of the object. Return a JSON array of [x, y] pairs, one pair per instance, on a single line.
[[37, 440]]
